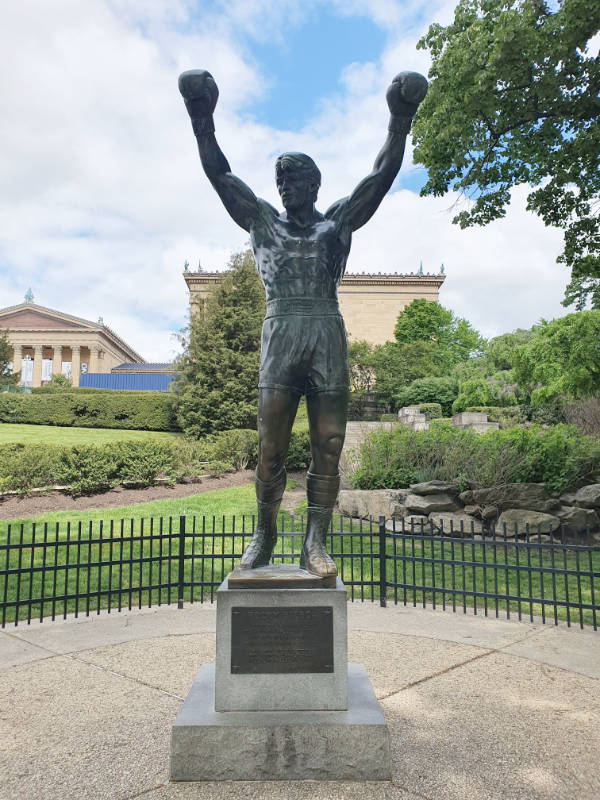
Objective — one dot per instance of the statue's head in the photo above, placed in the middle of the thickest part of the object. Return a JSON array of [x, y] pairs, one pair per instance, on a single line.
[[298, 179]]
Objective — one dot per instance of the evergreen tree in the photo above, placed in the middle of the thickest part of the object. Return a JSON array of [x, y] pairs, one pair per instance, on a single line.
[[7, 376], [217, 387]]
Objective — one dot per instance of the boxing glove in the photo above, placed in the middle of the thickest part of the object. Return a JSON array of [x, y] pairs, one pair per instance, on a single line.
[[406, 91], [200, 93]]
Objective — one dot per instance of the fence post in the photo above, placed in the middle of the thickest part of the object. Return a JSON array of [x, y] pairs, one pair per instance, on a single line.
[[180, 572], [382, 563]]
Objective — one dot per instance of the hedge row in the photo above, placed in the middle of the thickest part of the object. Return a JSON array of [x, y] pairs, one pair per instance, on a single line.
[[152, 411], [96, 468], [560, 456]]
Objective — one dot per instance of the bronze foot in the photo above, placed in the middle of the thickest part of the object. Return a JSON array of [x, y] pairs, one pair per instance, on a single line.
[[259, 550], [314, 556]]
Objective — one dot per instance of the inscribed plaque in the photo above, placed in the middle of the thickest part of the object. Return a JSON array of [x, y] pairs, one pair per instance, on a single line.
[[284, 639]]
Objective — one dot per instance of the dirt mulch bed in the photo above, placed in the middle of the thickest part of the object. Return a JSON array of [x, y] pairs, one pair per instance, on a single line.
[[36, 505]]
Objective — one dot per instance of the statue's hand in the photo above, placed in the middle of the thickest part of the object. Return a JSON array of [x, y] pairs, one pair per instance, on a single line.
[[199, 91], [407, 90]]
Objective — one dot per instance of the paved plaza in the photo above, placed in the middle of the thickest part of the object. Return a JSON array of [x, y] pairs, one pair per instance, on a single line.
[[478, 709]]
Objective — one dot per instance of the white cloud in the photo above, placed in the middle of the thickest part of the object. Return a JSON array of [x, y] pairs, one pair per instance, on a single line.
[[104, 197]]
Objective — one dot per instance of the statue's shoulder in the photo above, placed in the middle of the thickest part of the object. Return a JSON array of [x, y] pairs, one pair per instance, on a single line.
[[267, 209], [338, 210]]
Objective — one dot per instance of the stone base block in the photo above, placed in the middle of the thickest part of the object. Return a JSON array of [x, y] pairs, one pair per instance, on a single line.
[[352, 745], [281, 649]]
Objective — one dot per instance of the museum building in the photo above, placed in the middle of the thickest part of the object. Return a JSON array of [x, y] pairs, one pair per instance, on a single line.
[[369, 302], [46, 342]]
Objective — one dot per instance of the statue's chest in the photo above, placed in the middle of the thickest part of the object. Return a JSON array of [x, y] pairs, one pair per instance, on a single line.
[[290, 249]]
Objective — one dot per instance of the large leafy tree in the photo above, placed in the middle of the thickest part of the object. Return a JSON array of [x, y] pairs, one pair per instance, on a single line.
[[217, 388], [7, 376], [451, 338], [562, 359], [514, 98]]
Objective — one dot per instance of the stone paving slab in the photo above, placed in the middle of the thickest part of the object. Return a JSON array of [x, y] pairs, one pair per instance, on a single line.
[[82, 633], [498, 728], [575, 650], [71, 731]]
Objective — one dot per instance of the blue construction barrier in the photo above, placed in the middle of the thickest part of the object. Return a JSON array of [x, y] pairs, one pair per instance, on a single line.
[[134, 382]]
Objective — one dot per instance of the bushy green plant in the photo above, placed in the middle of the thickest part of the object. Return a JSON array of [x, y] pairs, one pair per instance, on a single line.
[[89, 469], [125, 410], [238, 448], [428, 390], [24, 467], [560, 456], [298, 456], [431, 410]]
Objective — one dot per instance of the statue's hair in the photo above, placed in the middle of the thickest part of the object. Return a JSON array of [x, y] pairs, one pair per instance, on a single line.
[[298, 162]]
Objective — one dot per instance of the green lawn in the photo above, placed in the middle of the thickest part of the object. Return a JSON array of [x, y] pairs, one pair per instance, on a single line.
[[132, 557], [51, 434]]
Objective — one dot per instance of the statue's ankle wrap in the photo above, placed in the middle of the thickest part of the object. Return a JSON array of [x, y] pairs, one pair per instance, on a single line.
[[322, 490]]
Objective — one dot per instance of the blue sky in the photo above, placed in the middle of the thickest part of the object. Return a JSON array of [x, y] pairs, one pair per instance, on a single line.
[[103, 197]]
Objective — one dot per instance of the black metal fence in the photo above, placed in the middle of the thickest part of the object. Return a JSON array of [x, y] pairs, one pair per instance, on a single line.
[[52, 570]]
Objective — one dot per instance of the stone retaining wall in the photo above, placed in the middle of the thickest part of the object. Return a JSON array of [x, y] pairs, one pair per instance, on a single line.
[[440, 505]]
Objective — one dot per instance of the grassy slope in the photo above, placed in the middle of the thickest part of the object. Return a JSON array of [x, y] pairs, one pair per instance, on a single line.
[[51, 434]]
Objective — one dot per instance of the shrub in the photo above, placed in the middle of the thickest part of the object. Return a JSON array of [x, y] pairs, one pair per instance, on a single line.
[[237, 448], [560, 456], [431, 410], [129, 410], [89, 469], [24, 467], [585, 414], [298, 456], [428, 390]]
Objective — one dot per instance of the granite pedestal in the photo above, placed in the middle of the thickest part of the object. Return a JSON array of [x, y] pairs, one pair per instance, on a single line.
[[352, 745], [282, 702]]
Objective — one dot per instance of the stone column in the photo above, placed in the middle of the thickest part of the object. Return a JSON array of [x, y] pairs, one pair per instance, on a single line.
[[94, 351], [37, 365], [57, 360], [17, 357], [75, 364]]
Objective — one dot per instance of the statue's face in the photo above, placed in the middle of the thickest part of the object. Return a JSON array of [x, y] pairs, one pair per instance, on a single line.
[[296, 189]]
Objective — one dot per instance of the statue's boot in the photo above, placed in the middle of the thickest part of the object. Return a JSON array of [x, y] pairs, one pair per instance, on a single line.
[[322, 492], [268, 494]]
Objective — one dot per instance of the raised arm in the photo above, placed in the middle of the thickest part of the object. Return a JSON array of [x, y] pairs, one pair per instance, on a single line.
[[200, 94], [403, 97]]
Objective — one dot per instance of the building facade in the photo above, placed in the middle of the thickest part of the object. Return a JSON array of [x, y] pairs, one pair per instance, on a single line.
[[46, 342], [370, 303]]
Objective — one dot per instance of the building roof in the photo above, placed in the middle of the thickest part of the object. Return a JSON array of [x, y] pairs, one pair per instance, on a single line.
[[164, 366], [70, 322]]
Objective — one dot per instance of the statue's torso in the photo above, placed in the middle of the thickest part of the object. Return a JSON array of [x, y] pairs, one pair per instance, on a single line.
[[297, 261]]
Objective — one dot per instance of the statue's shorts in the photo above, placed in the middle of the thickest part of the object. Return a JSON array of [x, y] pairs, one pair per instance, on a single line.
[[304, 348]]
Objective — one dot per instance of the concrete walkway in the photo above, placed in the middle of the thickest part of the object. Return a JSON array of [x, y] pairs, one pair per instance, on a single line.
[[477, 708]]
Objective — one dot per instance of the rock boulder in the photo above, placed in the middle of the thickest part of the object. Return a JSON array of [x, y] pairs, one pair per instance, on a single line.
[[578, 520], [431, 503], [416, 523], [456, 524], [530, 496], [434, 487], [538, 522], [366, 503], [588, 496]]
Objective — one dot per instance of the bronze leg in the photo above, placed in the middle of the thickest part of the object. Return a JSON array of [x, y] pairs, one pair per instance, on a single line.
[[276, 412], [327, 420]]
